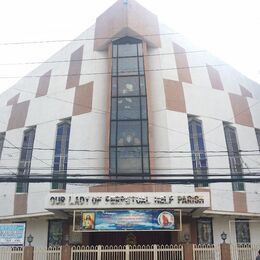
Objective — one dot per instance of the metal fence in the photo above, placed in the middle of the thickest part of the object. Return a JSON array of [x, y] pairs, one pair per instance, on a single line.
[[206, 252], [155, 252], [50, 253], [244, 251], [11, 253]]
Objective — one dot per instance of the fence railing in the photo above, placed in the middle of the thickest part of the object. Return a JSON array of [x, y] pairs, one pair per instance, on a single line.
[[50, 253], [244, 251], [206, 252], [11, 253], [154, 252]]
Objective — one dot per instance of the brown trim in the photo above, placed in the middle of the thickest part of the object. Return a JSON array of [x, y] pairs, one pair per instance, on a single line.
[[245, 92], [83, 99], [20, 203], [13, 100], [18, 115], [240, 203], [241, 110], [182, 63], [149, 108], [44, 83], [174, 96], [129, 19], [131, 188], [215, 78], [109, 86], [75, 68]]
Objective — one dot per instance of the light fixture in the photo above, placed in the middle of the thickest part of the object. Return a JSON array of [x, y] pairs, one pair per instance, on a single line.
[[30, 239], [223, 237], [186, 237], [66, 239]]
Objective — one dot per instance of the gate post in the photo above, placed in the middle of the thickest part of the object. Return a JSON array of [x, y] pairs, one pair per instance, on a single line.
[[98, 253], [127, 252], [188, 251], [66, 252], [225, 251], [155, 252], [28, 253]]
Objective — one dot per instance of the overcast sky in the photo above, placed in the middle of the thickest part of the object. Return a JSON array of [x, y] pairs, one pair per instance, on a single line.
[[229, 29]]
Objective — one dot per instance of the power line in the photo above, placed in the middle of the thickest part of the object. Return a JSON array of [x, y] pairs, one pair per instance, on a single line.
[[113, 179], [152, 151], [85, 39], [96, 59], [111, 73]]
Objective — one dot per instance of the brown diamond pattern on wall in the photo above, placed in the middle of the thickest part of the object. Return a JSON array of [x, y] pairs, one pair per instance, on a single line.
[[18, 115], [75, 68], [43, 85], [83, 99], [174, 95], [182, 64], [241, 110], [215, 78]]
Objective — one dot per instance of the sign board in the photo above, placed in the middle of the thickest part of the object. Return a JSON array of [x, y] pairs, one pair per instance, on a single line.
[[128, 200], [127, 220], [12, 234]]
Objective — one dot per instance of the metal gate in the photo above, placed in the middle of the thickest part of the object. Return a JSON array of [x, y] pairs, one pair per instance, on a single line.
[[50, 253], [11, 253], [206, 252], [154, 252], [244, 251]]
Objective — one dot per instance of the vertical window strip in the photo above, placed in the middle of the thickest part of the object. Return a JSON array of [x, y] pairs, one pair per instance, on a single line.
[[61, 154], [199, 158], [2, 139], [25, 159], [242, 231], [128, 120], [234, 157], [205, 231]]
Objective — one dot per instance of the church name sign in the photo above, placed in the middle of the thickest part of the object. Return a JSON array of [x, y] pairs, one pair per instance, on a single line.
[[127, 200]]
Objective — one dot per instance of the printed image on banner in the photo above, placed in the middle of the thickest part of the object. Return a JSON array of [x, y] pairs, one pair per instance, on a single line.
[[128, 220], [12, 234]]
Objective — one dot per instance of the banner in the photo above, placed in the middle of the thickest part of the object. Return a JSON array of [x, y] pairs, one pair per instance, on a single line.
[[12, 234], [135, 220]]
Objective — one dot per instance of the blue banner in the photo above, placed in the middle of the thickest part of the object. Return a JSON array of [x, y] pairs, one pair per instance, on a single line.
[[128, 220]]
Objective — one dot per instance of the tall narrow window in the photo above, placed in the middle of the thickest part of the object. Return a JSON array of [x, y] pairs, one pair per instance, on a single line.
[[25, 160], [234, 157], [257, 132], [61, 154], [242, 231], [129, 148], [205, 231], [199, 158], [2, 139], [55, 233]]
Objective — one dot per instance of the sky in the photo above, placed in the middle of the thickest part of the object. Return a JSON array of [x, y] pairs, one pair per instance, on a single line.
[[229, 29]]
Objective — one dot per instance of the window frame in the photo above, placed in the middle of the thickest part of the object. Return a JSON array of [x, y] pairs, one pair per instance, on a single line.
[[235, 161], [118, 92], [207, 221], [196, 153], [2, 141], [23, 187], [62, 155]]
